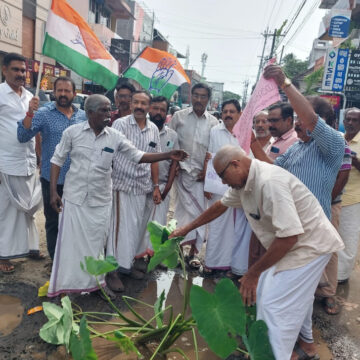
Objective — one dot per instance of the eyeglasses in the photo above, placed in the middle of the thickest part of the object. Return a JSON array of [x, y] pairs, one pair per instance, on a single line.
[[199, 96], [222, 174]]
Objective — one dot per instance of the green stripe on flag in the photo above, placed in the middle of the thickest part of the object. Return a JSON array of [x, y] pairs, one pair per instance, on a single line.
[[79, 63], [144, 81]]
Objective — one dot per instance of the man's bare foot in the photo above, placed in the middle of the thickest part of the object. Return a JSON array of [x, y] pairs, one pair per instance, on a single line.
[[6, 267], [304, 351], [113, 282]]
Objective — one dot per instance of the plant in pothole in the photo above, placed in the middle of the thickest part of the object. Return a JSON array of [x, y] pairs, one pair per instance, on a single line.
[[221, 318]]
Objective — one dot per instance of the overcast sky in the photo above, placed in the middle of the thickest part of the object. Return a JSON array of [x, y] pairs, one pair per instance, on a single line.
[[229, 32]]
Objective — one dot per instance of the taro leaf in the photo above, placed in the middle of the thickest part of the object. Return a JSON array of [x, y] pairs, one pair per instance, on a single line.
[[220, 317], [259, 344], [156, 234], [58, 329], [101, 266], [158, 309], [124, 343], [167, 253], [80, 346]]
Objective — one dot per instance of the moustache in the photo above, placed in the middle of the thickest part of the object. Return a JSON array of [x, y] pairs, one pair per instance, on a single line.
[[63, 98], [297, 128], [260, 129], [272, 129], [138, 109], [228, 118], [107, 120], [22, 78]]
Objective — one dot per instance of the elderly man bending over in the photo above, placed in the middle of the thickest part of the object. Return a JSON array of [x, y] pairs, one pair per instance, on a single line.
[[86, 203], [299, 238]]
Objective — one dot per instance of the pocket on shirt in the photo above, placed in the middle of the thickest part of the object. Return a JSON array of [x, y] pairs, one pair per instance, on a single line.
[[104, 160]]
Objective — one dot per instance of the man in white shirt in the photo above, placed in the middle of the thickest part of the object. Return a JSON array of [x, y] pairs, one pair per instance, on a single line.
[[291, 224], [261, 128], [20, 191], [231, 227], [193, 128], [86, 203]]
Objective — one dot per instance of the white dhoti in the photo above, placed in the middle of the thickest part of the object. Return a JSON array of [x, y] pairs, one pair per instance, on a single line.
[[158, 213], [241, 243], [129, 217], [189, 204], [220, 240], [285, 303], [349, 230], [20, 198], [82, 232]]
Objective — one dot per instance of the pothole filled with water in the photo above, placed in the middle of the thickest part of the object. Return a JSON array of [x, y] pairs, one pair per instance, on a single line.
[[11, 313]]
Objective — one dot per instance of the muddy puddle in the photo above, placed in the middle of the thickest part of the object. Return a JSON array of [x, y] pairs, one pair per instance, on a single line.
[[11, 313], [173, 285]]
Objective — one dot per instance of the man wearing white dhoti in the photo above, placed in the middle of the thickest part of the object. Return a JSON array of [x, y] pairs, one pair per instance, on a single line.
[[167, 169], [135, 188], [192, 126], [291, 224], [86, 203], [20, 191], [226, 248]]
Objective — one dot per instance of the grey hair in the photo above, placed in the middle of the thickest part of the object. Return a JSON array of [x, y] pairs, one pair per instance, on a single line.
[[264, 112], [93, 102], [228, 153], [351, 109]]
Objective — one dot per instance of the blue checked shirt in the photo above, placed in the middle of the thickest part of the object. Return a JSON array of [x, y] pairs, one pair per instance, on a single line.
[[316, 162], [51, 123]]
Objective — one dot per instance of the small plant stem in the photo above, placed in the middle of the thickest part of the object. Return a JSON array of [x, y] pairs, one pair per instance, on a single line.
[[97, 334], [86, 313], [153, 334], [152, 319], [195, 344], [242, 351], [137, 300], [129, 321], [246, 342], [165, 336], [135, 313]]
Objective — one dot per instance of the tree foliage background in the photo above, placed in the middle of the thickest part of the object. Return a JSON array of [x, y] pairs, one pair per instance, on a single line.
[[293, 66]]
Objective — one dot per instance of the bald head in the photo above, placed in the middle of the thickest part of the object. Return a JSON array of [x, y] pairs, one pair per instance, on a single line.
[[226, 154]]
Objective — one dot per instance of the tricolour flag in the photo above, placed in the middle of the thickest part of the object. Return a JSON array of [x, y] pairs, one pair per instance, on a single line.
[[158, 72], [70, 40]]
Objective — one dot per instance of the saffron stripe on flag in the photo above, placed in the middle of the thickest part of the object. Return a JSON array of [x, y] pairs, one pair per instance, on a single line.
[[81, 64]]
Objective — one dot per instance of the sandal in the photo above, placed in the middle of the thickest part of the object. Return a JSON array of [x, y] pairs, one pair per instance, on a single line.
[[331, 306], [6, 267], [302, 355], [193, 262], [207, 272], [36, 255]]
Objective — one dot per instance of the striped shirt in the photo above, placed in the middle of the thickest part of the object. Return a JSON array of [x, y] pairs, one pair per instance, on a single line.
[[316, 162], [128, 176]]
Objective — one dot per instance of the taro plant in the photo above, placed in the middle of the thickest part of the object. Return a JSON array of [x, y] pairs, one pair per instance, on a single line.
[[221, 318]]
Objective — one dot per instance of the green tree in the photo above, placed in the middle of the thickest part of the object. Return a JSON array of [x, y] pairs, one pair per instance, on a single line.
[[313, 81], [227, 95], [293, 66]]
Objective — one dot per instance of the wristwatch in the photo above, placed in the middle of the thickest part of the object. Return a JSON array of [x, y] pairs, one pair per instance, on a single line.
[[287, 82]]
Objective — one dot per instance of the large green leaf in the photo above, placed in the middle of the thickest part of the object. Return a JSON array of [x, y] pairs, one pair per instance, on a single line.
[[80, 346], [60, 325], [167, 253], [156, 234], [220, 316], [259, 345], [98, 267]]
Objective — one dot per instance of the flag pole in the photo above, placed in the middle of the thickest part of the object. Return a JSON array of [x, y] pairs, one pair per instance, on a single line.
[[39, 75], [134, 61]]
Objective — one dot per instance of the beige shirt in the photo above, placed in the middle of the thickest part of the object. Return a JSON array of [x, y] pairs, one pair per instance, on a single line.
[[194, 136], [278, 204]]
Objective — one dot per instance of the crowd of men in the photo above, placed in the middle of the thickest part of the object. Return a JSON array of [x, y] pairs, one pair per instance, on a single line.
[[286, 226]]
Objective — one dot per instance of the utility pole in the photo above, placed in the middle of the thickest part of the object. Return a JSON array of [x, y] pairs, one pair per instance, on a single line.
[[245, 92], [187, 57], [204, 57], [266, 34], [273, 44]]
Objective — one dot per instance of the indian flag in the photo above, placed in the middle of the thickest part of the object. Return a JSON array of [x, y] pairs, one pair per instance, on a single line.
[[70, 40], [158, 72]]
